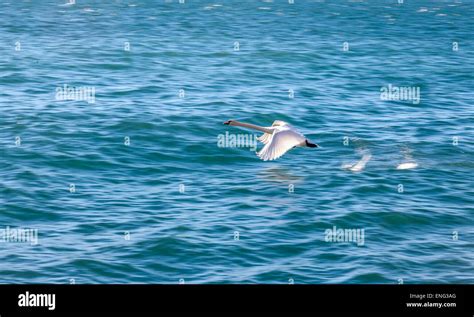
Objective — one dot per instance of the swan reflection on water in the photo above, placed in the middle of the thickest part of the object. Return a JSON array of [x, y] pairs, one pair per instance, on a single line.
[[280, 175]]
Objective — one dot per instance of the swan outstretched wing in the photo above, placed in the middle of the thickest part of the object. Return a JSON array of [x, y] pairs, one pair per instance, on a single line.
[[266, 137], [279, 143], [277, 125]]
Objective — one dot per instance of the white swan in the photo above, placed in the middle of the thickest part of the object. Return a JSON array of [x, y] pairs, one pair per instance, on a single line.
[[278, 139], [409, 161], [360, 165], [407, 166]]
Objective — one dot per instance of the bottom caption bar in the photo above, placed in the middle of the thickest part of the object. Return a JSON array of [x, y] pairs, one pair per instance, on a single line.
[[445, 300]]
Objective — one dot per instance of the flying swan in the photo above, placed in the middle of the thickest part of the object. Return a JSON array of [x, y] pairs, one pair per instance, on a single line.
[[278, 139]]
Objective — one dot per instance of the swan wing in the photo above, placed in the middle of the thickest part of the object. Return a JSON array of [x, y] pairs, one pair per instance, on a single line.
[[266, 137], [279, 123], [280, 142]]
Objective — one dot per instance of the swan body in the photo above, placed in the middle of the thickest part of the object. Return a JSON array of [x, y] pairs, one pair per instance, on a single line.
[[277, 139], [409, 163], [407, 166], [360, 165]]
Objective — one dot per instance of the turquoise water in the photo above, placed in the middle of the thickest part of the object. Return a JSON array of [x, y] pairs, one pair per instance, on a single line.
[[172, 206]]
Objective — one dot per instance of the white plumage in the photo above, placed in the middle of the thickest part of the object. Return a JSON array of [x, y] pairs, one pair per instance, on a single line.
[[283, 139], [278, 139]]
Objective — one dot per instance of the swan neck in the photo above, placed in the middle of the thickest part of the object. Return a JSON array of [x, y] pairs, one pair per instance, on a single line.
[[251, 126]]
